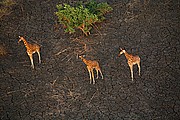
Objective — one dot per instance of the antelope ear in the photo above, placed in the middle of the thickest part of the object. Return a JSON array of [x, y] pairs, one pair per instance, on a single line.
[[19, 36], [83, 55], [121, 48]]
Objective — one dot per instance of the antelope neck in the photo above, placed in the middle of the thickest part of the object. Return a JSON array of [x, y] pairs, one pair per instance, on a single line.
[[85, 61], [25, 43], [127, 55]]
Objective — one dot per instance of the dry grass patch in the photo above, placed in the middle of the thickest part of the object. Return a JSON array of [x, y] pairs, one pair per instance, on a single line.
[[2, 50], [5, 7]]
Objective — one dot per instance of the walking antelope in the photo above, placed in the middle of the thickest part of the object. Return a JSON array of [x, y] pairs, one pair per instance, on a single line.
[[132, 60], [31, 49], [91, 65]]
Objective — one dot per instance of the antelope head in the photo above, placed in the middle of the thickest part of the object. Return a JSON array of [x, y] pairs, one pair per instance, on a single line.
[[20, 38], [121, 51]]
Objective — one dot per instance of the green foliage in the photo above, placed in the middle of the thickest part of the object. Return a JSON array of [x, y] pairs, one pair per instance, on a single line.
[[99, 9], [81, 16]]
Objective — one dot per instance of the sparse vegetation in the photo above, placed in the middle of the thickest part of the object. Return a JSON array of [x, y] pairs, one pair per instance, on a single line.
[[135, 9], [82, 16], [5, 7], [2, 50]]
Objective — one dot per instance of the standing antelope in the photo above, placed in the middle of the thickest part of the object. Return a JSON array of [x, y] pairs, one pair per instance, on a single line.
[[132, 60], [31, 49], [91, 65]]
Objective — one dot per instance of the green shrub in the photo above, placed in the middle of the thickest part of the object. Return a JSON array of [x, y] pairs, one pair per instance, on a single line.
[[81, 16], [99, 9]]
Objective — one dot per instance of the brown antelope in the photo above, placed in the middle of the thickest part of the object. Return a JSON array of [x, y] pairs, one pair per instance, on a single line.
[[132, 60], [91, 65], [31, 49]]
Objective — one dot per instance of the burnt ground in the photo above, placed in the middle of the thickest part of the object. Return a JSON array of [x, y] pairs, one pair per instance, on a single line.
[[59, 87]]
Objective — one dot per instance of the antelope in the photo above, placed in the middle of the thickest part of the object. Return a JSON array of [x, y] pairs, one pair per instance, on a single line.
[[91, 65], [31, 49], [132, 60]]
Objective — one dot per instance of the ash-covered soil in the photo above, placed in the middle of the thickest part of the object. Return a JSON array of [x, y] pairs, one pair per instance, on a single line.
[[59, 87]]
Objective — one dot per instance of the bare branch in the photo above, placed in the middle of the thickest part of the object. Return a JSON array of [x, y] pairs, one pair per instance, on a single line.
[[62, 51]]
